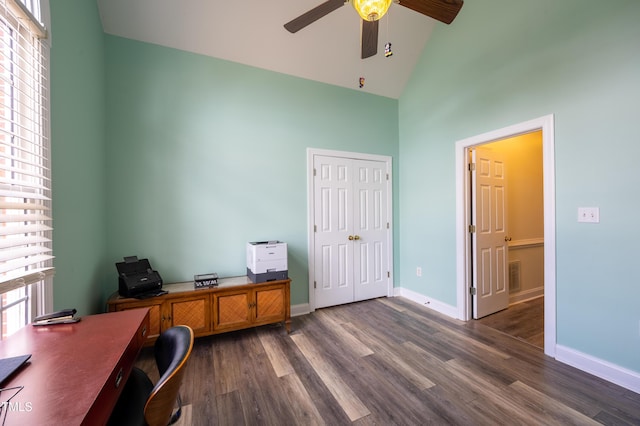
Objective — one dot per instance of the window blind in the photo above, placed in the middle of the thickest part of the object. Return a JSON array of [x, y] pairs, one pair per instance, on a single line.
[[25, 175]]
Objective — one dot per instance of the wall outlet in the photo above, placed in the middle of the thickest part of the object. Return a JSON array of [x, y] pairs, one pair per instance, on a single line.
[[589, 214], [418, 271]]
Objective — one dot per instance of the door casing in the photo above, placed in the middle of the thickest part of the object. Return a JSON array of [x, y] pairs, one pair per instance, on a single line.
[[463, 240], [311, 153]]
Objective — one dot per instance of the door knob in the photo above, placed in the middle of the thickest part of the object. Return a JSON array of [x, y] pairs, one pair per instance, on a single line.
[[357, 237], [350, 237], [507, 238]]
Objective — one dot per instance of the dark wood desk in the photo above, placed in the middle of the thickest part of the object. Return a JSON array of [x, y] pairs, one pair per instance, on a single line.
[[76, 371]]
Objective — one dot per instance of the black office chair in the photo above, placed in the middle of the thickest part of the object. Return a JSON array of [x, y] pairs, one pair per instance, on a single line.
[[142, 403]]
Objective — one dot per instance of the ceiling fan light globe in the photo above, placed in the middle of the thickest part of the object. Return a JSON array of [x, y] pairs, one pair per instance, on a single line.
[[371, 10]]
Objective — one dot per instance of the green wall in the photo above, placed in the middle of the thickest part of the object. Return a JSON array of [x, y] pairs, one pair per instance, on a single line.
[[204, 155], [78, 119], [501, 63]]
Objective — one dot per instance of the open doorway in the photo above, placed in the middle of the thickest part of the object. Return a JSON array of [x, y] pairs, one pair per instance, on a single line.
[[517, 306], [463, 238]]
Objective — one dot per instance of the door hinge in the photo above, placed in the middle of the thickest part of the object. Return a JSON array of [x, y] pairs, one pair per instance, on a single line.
[[387, 225], [315, 228], [472, 166], [472, 291], [314, 285], [387, 176], [472, 228], [314, 171]]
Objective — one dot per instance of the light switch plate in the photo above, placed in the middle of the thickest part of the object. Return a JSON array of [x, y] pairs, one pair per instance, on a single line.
[[589, 214]]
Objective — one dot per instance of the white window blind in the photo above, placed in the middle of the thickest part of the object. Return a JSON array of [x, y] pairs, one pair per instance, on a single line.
[[25, 178]]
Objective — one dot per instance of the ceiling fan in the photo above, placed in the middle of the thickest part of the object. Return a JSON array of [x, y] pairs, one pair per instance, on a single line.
[[441, 10]]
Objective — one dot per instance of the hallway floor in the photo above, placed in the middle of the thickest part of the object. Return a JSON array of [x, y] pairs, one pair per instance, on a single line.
[[524, 321]]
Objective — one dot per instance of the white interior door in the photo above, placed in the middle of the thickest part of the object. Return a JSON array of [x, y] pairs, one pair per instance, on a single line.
[[489, 242], [370, 230], [351, 249], [333, 224]]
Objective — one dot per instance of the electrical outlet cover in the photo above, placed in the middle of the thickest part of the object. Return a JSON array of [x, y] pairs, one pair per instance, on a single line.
[[589, 214]]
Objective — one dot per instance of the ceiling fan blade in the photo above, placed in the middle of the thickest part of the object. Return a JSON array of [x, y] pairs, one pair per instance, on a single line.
[[441, 10], [369, 38], [313, 15]]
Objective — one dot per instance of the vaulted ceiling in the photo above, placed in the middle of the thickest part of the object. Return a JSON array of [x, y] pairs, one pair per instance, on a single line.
[[251, 32]]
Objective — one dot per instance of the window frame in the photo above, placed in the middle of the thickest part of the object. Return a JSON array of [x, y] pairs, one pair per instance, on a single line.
[[26, 22]]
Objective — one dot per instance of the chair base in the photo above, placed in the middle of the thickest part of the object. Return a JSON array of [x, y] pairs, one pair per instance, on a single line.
[[129, 411]]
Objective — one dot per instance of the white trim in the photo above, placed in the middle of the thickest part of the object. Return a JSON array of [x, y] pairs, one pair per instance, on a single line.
[[311, 153], [29, 20], [526, 243], [301, 309], [526, 295], [425, 301], [546, 124], [605, 370], [45, 291]]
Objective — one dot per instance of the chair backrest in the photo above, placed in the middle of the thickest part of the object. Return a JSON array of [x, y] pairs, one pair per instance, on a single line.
[[172, 350]]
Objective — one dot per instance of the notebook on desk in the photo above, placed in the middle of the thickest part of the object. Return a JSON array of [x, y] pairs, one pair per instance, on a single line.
[[9, 365]]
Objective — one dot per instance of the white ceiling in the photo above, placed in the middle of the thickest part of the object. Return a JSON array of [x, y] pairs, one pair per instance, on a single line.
[[251, 32]]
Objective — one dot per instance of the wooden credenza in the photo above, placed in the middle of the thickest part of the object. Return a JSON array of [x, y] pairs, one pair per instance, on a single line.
[[236, 303]]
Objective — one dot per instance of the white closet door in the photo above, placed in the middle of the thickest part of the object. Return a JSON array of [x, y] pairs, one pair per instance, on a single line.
[[370, 230], [350, 238]]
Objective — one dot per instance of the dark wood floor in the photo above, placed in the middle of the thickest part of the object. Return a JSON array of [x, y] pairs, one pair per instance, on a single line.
[[524, 321], [388, 362]]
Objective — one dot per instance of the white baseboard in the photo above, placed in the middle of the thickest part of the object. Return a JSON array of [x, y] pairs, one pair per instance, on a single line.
[[436, 305], [302, 309], [523, 296], [603, 369], [430, 303]]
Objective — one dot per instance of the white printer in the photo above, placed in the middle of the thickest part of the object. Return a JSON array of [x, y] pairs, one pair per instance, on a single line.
[[267, 261]]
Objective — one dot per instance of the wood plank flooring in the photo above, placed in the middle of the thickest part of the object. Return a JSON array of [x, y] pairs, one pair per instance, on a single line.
[[388, 361], [524, 321]]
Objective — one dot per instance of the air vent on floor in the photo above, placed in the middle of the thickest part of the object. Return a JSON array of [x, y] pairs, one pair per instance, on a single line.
[[514, 276]]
